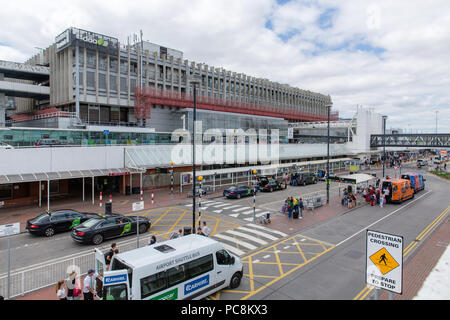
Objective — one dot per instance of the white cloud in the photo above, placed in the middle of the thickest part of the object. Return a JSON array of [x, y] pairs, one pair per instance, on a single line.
[[406, 78]]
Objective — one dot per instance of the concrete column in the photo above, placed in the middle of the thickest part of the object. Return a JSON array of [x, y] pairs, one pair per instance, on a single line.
[[179, 75], [96, 78], [108, 85], [129, 74], [84, 74], [118, 74], [147, 68], [171, 73]]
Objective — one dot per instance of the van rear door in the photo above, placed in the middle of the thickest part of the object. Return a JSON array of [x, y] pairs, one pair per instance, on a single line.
[[116, 285]]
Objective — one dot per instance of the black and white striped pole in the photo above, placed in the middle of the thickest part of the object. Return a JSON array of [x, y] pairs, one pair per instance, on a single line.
[[200, 191], [254, 195], [171, 181]]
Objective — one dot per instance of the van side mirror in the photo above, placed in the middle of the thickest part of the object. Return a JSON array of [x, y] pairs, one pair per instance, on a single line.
[[232, 260]]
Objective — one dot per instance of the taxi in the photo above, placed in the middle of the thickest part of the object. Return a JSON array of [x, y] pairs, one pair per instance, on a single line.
[[97, 229]]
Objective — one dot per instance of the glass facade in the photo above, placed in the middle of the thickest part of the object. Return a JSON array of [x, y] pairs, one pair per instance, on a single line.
[[27, 137]]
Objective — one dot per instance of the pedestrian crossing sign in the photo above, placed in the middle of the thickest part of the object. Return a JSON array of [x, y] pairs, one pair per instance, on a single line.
[[384, 261]]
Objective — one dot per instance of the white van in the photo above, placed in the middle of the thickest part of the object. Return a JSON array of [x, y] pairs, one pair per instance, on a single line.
[[189, 267]]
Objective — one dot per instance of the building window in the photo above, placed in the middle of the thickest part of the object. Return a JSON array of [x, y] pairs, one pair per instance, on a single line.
[[113, 63], [102, 62], [6, 191], [91, 59]]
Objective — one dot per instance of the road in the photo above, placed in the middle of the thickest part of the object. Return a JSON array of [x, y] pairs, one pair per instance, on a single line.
[[337, 269], [324, 261]]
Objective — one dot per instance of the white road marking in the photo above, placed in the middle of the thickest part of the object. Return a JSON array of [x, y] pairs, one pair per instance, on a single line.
[[237, 241], [249, 237]]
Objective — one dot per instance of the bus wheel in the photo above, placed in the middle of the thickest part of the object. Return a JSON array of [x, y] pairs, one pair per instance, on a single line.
[[235, 280]]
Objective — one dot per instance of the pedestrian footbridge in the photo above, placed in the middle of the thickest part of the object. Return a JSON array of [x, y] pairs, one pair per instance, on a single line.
[[428, 140]]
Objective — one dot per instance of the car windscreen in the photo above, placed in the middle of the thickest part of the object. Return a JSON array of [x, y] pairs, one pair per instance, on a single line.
[[89, 223]]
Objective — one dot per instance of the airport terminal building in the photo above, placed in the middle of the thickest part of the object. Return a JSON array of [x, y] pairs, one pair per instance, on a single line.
[[95, 77]]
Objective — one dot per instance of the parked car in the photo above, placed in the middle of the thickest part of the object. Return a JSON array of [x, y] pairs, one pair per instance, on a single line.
[[107, 227], [272, 185], [47, 143], [5, 146], [304, 178], [239, 191], [51, 222]]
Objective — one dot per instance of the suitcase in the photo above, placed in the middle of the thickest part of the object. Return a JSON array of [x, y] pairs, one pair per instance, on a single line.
[[295, 214]]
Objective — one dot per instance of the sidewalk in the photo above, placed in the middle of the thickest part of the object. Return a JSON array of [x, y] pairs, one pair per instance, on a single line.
[[121, 204], [334, 208]]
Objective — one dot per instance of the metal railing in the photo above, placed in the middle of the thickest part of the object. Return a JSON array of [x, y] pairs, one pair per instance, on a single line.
[[39, 276]]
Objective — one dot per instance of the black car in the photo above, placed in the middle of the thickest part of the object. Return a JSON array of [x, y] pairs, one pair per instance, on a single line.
[[239, 191], [101, 228], [271, 185], [51, 222], [304, 178]]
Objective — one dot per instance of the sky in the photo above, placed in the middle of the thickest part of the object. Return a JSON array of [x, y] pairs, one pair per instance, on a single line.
[[390, 56]]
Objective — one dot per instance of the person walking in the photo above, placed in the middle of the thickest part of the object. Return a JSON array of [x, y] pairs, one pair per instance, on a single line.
[[109, 254], [290, 208], [296, 209], [89, 285], [205, 229], [302, 207], [381, 200], [152, 240], [61, 290], [70, 283], [177, 235]]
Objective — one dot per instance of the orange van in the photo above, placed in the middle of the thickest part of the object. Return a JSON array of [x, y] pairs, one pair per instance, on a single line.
[[399, 190]]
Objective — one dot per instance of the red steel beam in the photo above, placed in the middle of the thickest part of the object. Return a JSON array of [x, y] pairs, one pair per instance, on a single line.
[[145, 97]]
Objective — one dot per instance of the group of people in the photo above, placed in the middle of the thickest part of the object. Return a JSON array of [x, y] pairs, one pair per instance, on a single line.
[[348, 199], [294, 207], [376, 195], [71, 288]]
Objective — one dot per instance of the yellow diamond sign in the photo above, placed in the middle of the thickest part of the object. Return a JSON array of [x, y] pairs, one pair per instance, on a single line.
[[384, 261]]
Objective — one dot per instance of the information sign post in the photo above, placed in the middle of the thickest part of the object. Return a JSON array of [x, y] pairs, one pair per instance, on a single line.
[[9, 230], [384, 261]]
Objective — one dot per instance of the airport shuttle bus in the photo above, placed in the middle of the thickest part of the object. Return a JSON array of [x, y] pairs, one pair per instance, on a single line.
[[189, 267]]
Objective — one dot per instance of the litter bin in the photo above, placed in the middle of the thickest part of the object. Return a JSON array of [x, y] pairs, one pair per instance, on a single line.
[[108, 208], [187, 230]]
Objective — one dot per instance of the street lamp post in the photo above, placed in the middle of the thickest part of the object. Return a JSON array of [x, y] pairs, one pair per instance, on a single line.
[[171, 181], [200, 179], [436, 119], [194, 80], [384, 144], [254, 195], [328, 153]]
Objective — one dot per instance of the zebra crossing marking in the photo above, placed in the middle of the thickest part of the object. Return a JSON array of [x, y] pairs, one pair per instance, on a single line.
[[265, 235], [232, 249], [237, 241], [240, 209], [270, 230], [249, 237], [234, 206]]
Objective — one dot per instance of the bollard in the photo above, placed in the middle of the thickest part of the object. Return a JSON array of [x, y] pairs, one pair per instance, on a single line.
[[142, 194], [100, 198], [110, 198], [152, 197]]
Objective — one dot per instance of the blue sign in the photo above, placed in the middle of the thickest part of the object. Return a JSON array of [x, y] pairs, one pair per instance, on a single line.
[[106, 131], [196, 284], [115, 279]]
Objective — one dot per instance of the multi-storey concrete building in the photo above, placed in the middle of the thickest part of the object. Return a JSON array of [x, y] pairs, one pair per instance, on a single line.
[[95, 77]]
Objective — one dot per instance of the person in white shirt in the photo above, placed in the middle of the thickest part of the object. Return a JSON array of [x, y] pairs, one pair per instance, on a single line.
[[205, 229], [89, 285], [61, 290]]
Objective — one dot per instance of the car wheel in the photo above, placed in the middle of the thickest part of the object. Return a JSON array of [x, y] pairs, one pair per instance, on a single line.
[[97, 239], [235, 280], [143, 228], [49, 232]]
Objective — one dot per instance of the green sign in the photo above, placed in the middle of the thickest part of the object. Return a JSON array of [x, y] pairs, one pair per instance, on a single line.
[[126, 228], [169, 295], [75, 222]]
